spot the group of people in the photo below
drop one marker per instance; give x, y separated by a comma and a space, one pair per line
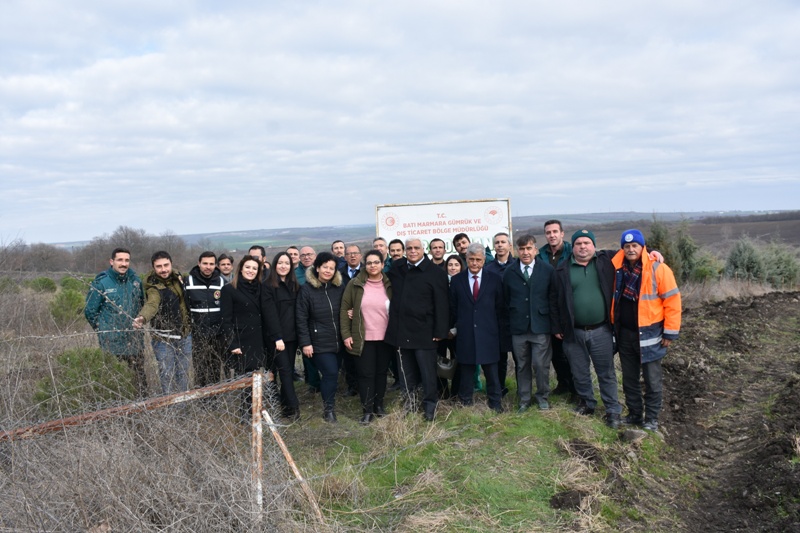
399, 308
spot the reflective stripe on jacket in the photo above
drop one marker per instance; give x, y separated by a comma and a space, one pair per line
659, 307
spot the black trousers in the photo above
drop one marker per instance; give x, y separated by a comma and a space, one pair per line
284, 368
372, 368
493, 392
561, 365
419, 367
208, 353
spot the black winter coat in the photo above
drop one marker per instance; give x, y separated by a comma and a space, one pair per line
243, 325
419, 309
279, 309
318, 313
562, 311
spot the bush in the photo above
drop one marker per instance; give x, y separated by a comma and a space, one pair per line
8, 285
67, 307
745, 262
75, 284
781, 265
706, 268
84, 378
43, 284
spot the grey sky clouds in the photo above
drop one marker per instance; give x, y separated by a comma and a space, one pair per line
200, 116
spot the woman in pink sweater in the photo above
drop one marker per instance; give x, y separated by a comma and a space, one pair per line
364, 316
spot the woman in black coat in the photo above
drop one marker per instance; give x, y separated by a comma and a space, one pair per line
280, 298
243, 322
318, 331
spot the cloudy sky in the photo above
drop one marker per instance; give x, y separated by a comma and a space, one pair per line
212, 116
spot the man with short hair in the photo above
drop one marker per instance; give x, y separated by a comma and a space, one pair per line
646, 312
352, 264
437, 250
555, 252
312, 376
294, 255
165, 308
502, 259
203, 288
527, 284
460, 243
260, 253
379, 243
477, 312
114, 300
418, 319
225, 265
581, 307
396, 249
307, 256
350, 270
337, 249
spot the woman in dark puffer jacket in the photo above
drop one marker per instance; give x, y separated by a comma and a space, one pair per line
318, 330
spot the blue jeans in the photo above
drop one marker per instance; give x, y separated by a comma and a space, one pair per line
595, 347
328, 366
174, 357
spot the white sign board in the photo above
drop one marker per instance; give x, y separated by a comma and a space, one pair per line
479, 219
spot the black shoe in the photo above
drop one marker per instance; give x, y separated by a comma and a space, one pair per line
379, 411
561, 389
291, 414
504, 391
366, 419
329, 416
497, 409
430, 415
523, 407
632, 420
584, 409
612, 420
296, 376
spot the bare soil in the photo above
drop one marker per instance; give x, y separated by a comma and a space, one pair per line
732, 417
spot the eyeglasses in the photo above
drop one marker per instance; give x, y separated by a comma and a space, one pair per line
373, 263
306, 255
353, 254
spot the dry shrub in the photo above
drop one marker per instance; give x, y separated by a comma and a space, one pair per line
158, 471
697, 294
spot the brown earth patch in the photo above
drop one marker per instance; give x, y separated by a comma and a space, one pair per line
732, 415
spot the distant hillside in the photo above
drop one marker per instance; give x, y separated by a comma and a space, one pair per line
707, 228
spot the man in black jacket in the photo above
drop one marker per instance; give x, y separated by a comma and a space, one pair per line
418, 319
581, 309
203, 288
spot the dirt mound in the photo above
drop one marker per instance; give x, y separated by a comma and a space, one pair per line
732, 414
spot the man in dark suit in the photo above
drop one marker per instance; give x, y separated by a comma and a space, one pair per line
477, 311
352, 264
418, 319
526, 285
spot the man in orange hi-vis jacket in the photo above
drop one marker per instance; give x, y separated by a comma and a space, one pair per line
646, 312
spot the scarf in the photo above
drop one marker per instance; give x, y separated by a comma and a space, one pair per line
631, 279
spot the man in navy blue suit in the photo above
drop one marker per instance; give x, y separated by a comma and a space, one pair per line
477, 311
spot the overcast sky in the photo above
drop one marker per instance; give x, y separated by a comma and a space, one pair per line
212, 116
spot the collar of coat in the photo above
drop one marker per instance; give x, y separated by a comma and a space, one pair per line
313, 280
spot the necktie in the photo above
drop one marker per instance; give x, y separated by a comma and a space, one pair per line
353, 272
527, 274
475, 287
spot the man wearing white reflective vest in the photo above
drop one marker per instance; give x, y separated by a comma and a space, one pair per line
203, 287
646, 312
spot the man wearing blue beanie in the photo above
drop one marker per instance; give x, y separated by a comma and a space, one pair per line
646, 312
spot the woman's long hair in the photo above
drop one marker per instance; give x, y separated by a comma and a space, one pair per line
238, 274
273, 279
